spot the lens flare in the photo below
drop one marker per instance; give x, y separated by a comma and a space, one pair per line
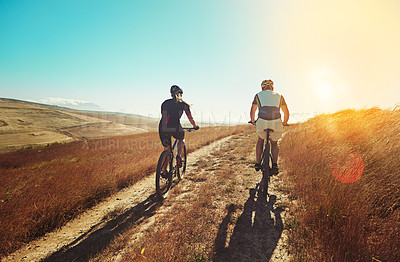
347, 167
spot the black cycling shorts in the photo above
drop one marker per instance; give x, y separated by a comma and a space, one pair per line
165, 134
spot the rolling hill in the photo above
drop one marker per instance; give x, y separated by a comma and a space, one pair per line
25, 124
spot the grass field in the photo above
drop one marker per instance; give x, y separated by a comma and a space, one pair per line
341, 170
43, 188
338, 221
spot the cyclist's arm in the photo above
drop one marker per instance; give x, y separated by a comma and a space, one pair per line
164, 113
191, 120
285, 110
253, 112
189, 115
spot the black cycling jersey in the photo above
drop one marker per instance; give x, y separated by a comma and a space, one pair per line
172, 112
170, 121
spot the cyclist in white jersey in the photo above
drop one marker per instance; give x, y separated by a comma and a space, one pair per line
269, 105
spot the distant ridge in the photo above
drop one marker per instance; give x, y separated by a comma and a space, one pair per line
70, 103
123, 114
26, 124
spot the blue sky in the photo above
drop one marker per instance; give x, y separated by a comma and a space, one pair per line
124, 55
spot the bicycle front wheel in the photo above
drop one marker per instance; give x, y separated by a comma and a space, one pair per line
181, 171
164, 175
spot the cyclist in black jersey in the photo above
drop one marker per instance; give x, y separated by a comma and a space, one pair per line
170, 125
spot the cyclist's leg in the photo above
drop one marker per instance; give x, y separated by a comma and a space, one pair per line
180, 135
274, 151
259, 149
260, 127
181, 144
166, 142
165, 138
277, 126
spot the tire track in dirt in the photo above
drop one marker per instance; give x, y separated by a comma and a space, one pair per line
103, 222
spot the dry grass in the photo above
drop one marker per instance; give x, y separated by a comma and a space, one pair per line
42, 189
337, 221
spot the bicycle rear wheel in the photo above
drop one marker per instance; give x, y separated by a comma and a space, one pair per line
265, 181
181, 171
163, 175
266, 169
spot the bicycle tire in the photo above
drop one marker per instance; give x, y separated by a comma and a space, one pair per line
163, 180
266, 172
265, 183
181, 171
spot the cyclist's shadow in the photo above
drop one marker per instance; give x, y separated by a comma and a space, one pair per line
256, 233
98, 238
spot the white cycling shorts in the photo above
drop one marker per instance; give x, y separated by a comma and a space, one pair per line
275, 125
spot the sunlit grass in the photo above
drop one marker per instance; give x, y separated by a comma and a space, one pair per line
338, 221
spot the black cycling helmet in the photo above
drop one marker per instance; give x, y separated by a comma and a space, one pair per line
176, 89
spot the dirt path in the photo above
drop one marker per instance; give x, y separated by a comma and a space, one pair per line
259, 229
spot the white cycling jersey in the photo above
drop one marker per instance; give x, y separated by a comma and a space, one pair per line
269, 104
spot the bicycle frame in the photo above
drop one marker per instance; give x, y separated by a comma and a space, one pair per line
189, 129
172, 166
173, 147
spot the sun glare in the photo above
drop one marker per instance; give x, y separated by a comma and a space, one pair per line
325, 91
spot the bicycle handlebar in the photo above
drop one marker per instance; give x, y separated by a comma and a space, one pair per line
254, 123
190, 129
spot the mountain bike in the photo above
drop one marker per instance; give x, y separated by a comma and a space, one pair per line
266, 165
167, 168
